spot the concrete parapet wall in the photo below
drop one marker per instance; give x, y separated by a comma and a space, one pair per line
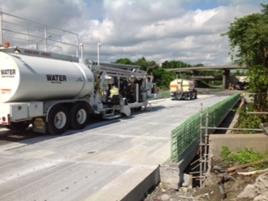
236, 142
139, 192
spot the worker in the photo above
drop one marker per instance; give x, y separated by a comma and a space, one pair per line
149, 87
114, 91
114, 95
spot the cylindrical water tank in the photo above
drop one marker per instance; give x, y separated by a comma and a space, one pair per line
30, 78
181, 85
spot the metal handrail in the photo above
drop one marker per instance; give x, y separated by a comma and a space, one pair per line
39, 37
6, 18
25, 19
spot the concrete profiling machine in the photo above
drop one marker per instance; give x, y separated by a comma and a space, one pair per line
55, 92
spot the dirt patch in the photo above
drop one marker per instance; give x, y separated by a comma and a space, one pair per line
163, 193
211, 191
252, 187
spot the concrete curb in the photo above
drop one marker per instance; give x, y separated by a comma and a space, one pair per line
146, 185
129, 188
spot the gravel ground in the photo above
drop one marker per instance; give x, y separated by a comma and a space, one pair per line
243, 188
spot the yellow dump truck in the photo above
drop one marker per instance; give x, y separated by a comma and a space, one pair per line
182, 89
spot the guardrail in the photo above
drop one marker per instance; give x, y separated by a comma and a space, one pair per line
188, 132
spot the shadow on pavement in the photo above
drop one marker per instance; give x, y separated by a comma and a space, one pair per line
29, 137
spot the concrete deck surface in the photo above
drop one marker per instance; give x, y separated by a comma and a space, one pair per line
103, 162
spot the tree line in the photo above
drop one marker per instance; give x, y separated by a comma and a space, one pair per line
161, 77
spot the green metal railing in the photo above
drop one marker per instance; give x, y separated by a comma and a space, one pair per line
188, 132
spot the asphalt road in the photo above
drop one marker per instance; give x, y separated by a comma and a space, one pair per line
102, 162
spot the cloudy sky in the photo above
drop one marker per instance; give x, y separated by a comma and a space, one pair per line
187, 30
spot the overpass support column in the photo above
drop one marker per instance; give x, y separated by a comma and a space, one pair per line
226, 78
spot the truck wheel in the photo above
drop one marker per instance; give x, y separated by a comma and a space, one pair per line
178, 96
79, 116
18, 126
58, 120
195, 95
190, 96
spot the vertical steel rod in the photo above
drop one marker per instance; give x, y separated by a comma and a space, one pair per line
206, 145
200, 146
81, 52
78, 44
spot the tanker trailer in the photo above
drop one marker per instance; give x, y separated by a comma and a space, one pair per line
51, 93
182, 89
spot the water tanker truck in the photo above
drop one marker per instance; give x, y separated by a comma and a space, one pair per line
54, 93
182, 89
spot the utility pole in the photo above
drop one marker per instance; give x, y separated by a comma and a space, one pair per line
81, 52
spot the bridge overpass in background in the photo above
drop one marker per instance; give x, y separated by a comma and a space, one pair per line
225, 68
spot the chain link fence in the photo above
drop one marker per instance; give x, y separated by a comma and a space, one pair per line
188, 132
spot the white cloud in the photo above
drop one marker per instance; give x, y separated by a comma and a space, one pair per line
156, 29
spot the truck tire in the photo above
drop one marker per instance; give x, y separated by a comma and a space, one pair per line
79, 116
178, 96
18, 126
195, 95
185, 96
58, 120
190, 96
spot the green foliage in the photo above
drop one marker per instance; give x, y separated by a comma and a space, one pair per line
225, 153
143, 63
162, 77
258, 83
249, 120
175, 64
124, 61
264, 8
248, 37
216, 74
258, 77
240, 73
241, 157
